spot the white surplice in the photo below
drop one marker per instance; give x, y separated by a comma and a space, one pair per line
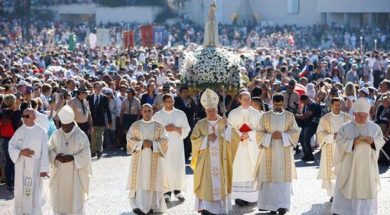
174, 161
146, 177
276, 167
69, 182
329, 125
28, 183
42, 120
247, 154
357, 170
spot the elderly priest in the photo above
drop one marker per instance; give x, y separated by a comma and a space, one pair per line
357, 148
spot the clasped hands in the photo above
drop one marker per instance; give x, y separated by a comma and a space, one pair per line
147, 143
171, 128
277, 135
64, 158
363, 139
211, 137
26, 152
244, 136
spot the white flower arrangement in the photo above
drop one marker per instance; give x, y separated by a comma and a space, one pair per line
213, 68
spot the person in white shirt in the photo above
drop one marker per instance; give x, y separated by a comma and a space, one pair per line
177, 127
244, 164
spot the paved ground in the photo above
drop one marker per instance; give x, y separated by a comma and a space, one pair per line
108, 195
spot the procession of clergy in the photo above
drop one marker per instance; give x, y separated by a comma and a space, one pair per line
247, 157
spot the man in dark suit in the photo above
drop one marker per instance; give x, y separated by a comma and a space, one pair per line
186, 104
99, 106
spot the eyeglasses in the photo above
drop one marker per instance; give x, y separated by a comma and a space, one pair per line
147, 111
26, 116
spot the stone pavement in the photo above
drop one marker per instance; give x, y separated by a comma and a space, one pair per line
108, 195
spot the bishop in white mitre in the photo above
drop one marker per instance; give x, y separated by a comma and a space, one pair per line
278, 134
70, 159
358, 143
245, 119
147, 142
28, 150
176, 124
327, 130
213, 152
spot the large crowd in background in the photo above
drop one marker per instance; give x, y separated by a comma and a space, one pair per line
246, 35
320, 63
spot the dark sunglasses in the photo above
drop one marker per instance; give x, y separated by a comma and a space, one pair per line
26, 116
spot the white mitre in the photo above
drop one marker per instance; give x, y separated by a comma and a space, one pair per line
209, 99
66, 115
361, 106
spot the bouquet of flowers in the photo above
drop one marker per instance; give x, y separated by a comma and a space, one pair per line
213, 68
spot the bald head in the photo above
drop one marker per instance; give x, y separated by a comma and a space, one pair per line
28, 117
147, 112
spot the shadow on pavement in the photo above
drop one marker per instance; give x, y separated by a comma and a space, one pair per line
244, 210
172, 204
318, 209
114, 153
301, 163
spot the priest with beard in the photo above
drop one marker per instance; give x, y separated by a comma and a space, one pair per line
278, 134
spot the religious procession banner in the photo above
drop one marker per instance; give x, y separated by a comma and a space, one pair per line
147, 34
92, 40
128, 39
160, 36
103, 37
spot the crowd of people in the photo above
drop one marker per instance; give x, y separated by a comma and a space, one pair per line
185, 32
134, 100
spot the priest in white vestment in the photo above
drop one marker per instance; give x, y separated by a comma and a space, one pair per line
70, 158
213, 151
177, 127
356, 160
278, 134
28, 150
147, 142
327, 130
245, 119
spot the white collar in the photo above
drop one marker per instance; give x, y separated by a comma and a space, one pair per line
213, 122
359, 125
245, 109
29, 127
277, 113
166, 111
333, 114
147, 122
